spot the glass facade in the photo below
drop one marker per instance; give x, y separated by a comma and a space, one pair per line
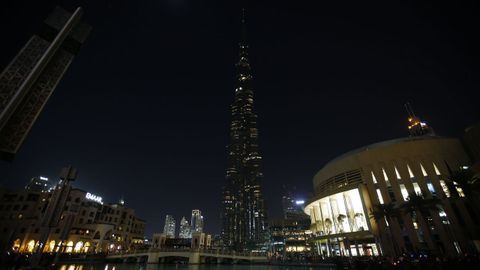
338, 213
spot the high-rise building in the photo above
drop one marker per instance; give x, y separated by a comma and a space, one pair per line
292, 206
29, 80
415, 126
243, 209
185, 229
38, 184
169, 228
197, 221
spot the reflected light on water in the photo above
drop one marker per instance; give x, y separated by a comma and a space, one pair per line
138, 266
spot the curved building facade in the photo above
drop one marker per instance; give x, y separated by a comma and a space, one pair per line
352, 189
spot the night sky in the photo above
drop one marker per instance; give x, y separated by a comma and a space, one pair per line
143, 112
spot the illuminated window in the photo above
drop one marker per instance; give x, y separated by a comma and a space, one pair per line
51, 246
385, 177
404, 191
31, 246
445, 188
417, 189
374, 179
78, 247
443, 217
431, 188
423, 170
16, 245
459, 190
410, 173
397, 173
436, 169
379, 195
69, 248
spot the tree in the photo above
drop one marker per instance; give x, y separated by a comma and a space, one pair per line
386, 212
417, 204
466, 180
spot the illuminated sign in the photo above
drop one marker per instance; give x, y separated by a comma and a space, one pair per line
92, 197
43, 178
300, 202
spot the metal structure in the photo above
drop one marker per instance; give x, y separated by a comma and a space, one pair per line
28, 81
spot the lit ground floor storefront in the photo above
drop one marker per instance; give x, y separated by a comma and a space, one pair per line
352, 244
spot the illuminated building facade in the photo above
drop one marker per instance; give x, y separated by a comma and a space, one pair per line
28, 81
363, 200
197, 221
292, 206
185, 229
38, 184
243, 209
169, 227
290, 239
86, 223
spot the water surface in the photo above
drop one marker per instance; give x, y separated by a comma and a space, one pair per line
134, 266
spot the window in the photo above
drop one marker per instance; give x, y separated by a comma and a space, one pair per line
374, 179
443, 217
404, 191
423, 170
445, 188
379, 195
397, 173
431, 188
410, 173
436, 169
417, 189
459, 190
385, 177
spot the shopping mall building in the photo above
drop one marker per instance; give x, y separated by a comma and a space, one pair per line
349, 189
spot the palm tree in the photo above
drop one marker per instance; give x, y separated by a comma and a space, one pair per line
467, 181
386, 212
418, 204
328, 225
340, 219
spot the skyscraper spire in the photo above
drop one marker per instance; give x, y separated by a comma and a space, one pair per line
243, 39
243, 214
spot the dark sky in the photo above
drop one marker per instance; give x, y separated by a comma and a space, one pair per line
143, 112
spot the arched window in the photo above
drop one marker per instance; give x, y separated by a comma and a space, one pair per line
31, 246
78, 247
69, 248
86, 247
51, 246
16, 245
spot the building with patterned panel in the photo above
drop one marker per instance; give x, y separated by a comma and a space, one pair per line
29, 80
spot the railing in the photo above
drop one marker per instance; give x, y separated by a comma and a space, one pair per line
208, 251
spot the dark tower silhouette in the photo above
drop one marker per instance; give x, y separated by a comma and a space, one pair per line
243, 207
415, 126
28, 81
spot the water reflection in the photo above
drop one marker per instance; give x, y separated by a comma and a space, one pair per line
132, 266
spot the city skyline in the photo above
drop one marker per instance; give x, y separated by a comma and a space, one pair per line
329, 80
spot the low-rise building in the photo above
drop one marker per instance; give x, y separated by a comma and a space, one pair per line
86, 224
290, 239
